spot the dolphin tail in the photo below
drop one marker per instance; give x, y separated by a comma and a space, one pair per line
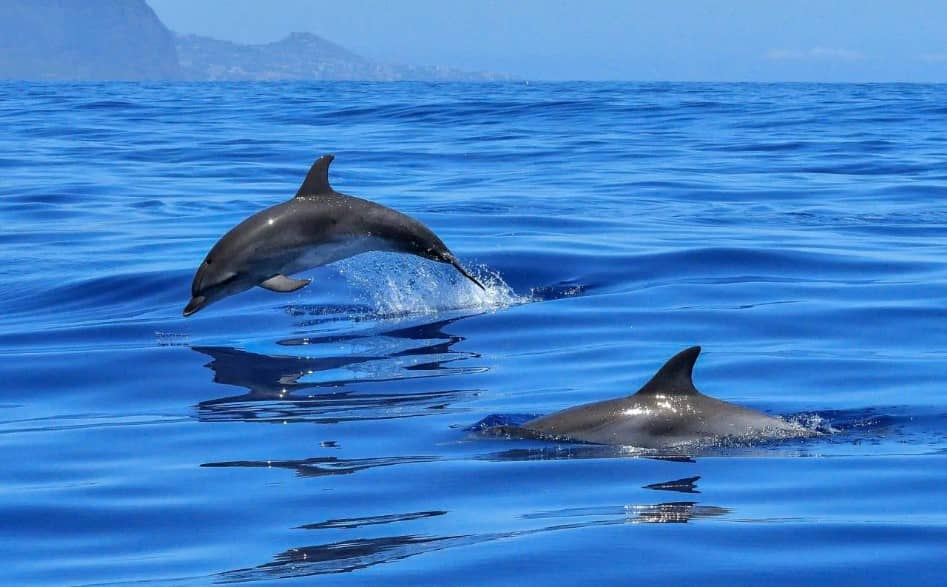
453, 261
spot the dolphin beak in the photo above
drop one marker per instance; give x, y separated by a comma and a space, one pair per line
196, 303
465, 273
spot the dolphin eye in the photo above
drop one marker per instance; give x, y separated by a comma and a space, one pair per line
207, 262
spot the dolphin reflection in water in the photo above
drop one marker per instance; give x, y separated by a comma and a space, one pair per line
368, 549
310, 380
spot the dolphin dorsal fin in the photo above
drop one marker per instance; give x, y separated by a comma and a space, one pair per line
317, 180
676, 376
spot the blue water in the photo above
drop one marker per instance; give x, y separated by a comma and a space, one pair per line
797, 232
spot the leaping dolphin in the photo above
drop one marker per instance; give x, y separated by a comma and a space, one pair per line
667, 412
316, 227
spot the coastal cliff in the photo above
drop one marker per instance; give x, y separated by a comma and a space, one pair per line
84, 40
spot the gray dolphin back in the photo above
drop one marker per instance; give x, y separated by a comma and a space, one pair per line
668, 411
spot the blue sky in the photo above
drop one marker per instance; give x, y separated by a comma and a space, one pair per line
736, 40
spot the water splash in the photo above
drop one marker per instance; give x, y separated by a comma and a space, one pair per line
814, 421
399, 285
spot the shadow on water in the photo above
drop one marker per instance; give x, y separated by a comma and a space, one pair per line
342, 557
564, 452
313, 381
321, 466
353, 554
685, 485
351, 523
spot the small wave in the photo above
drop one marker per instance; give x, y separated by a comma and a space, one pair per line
557, 291
111, 105
331, 407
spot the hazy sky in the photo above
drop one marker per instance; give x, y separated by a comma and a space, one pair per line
725, 40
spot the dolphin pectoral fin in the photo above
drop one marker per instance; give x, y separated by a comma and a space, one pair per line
282, 284
317, 180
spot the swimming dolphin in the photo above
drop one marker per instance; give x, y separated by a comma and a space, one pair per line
316, 227
667, 412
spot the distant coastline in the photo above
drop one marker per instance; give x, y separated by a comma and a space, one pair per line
124, 40
300, 56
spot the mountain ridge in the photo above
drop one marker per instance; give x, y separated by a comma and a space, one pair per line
103, 40
301, 56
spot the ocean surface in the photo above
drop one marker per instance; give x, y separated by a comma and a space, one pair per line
798, 233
